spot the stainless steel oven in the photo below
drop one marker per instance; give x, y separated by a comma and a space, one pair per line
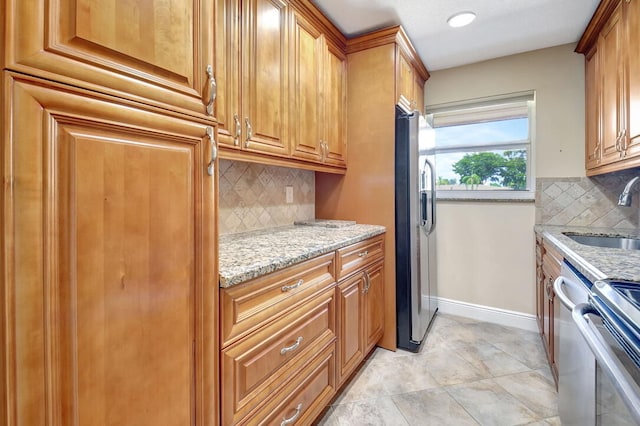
599, 372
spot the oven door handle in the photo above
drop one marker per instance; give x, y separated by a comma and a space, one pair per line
608, 361
564, 298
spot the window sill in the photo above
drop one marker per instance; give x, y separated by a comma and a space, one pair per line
487, 196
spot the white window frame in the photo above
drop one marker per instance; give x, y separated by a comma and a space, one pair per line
505, 106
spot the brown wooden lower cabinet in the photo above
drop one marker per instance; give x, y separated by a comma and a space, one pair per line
548, 264
350, 325
305, 397
360, 317
374, 305
292, 337
256, 368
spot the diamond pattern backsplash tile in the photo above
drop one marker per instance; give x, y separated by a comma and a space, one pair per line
587, 201
252, 196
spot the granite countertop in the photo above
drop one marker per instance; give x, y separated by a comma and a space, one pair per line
595, 263
252, 254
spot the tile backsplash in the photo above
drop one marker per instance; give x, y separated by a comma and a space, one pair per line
252, 196
587, 201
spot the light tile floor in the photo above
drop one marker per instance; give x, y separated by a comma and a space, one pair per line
468, 373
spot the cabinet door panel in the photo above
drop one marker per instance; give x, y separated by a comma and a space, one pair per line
405, 81
228, 73
335, 87
374, 308
118, 334
609, 51
350, 326
592, 110
418, 94
540, 286
264, 72
123, 227
153, 51
306, 90
632, 20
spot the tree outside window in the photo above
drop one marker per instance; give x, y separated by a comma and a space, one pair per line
484, 144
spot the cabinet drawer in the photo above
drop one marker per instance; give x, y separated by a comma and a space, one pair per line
264, 360
551, 261
245, 307
357, 256
305, 397
550, 254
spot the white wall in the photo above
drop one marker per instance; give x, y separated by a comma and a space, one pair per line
486, 250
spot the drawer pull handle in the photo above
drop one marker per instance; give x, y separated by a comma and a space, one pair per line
236, 138
214, 151
363, 254
249, 132
292, 347
293, 418
292, 286
210, 91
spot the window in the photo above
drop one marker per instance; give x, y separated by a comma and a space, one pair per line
483, 147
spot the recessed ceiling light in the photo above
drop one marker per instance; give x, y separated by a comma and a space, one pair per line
461, 19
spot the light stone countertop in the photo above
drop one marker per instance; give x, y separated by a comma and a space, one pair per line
595, 263
252, 254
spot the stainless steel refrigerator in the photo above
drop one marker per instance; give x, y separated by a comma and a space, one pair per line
415, 207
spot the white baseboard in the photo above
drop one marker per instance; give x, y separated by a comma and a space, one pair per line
488, 314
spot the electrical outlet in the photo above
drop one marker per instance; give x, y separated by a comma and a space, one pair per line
288, 192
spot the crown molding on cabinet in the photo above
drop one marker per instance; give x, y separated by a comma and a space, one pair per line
599, 18
387, 36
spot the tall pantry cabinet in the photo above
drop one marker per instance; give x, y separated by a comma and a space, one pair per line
109, 293
377, 80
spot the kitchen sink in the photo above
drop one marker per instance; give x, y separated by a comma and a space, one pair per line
609, 241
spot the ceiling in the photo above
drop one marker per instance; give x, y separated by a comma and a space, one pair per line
501, 28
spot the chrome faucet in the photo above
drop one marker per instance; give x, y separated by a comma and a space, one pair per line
625, 197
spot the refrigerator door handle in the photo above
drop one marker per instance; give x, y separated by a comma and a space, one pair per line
433, 196
422, 199
424, 202
423, 209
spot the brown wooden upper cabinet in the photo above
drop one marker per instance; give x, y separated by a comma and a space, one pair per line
281, 85
418, 93
307, 94
251, 59
318, 80
405, 81
158, 52
611, 45
410, 84
335, 104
